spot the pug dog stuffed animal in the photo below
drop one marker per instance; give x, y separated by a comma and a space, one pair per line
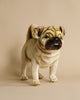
42, 49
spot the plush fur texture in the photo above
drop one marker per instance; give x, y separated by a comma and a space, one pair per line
42, 49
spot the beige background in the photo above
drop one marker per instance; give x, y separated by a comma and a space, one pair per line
15, 18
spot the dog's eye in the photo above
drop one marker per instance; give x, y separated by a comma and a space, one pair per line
60, 37
46, 36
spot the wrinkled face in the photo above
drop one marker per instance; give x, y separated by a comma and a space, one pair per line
52, 38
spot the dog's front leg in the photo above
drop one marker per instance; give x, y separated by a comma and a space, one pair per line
52, 72
35, 68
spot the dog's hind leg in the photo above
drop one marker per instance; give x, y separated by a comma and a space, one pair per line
23, 71
24, 62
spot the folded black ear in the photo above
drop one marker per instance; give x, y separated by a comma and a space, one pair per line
36, 31
62, 30
40, 30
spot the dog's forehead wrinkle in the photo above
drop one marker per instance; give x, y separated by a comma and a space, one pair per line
49, 31
51, 28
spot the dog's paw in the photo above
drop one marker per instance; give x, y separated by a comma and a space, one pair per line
41, 76
53, 79
36, 82
23, 77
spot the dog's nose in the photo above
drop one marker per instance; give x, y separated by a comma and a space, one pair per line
56, 38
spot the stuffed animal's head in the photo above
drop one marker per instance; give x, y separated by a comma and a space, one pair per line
50, 37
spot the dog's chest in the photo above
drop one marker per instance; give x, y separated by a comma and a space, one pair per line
45, 60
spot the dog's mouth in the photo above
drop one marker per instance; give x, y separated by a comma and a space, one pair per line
53, 44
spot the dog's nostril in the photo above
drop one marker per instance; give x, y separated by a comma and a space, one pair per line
56, 38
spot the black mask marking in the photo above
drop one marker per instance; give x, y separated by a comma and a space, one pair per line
53, 44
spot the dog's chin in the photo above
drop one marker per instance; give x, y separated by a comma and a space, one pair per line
54, 46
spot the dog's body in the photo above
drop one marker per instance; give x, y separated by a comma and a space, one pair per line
41, 53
